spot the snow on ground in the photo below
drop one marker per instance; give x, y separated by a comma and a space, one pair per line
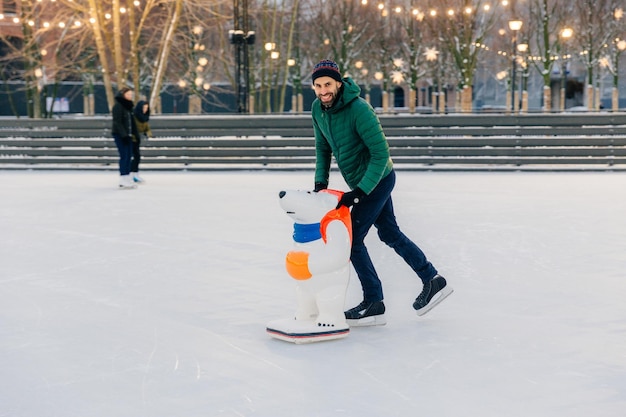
153, 302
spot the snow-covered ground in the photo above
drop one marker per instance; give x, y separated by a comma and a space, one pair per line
153, 302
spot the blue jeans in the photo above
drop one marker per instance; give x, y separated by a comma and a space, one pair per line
125, 149
377, 209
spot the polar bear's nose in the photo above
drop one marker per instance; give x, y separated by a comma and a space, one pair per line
281, 194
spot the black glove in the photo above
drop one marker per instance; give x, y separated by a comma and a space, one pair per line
351, 197
319, 186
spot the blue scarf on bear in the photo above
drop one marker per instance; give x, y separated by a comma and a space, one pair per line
304, 233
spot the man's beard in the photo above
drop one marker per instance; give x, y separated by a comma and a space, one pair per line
330, 103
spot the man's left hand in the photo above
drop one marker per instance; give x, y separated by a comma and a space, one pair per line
351, 198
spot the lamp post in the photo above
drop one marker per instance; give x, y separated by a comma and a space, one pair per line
378, 76
515, 26
566, 34
294, 100
242, 38
268, 79
523, 87
363, 76
432, 55
502, 77
620, 46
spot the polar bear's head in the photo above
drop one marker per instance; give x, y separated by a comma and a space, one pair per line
308, 207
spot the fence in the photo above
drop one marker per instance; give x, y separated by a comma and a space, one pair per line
577, 141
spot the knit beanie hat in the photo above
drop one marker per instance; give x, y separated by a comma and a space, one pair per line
326, 68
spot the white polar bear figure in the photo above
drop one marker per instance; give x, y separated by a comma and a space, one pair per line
320, 264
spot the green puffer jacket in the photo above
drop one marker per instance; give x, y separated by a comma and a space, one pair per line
351, 131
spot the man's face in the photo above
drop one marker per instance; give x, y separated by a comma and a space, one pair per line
326, 89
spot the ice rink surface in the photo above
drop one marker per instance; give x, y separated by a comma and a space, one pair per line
153, 302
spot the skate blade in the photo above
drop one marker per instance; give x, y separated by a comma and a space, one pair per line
379, 320
439, 297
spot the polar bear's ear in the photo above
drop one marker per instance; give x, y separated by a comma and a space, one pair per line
336, 193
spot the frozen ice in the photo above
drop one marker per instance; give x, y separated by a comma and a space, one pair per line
153, 302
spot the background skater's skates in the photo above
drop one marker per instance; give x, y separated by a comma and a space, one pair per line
126, 183
434, 292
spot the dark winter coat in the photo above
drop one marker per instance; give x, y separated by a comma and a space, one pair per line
142, 119
123, 119
351, 131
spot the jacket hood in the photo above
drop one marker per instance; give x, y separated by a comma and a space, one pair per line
351, 90
127, 104
139, 114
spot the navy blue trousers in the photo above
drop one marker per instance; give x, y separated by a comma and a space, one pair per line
125, 150
377, 209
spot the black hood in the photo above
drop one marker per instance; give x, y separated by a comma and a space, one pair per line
127, 104
139, 114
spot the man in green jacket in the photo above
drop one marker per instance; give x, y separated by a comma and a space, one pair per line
347, 127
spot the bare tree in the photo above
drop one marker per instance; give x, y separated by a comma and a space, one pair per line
545, 19
28, 51
463, 26
596, 29
199, 53
611, 59
51, 41
411, 51
155, 45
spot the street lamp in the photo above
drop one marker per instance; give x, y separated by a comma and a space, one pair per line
291, 63
432, 55
363, 77
269, 77
566, 35
620, 46
523, 87
501, 76
515, 26
242, 39
379, 76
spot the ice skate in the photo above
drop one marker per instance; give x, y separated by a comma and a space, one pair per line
367, 314
126, 183
434, 292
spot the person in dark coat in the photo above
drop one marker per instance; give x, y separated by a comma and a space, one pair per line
124, 130
347, 127
142, 118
